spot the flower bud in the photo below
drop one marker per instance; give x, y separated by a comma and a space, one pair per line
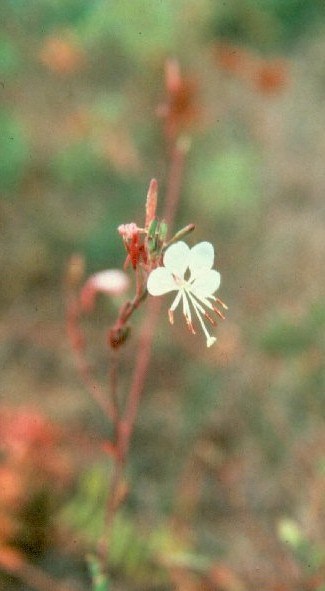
117, 336
110, 282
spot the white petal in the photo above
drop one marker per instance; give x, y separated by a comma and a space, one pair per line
201, 258
160, 281
176, 258
206, 284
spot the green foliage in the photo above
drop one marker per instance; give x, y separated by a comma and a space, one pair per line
269, 24
287, 337
78, 166
10, 59
41, 16
142, 31
284, 337
14, 151
141, 26
311, 555
130, 551
226, 181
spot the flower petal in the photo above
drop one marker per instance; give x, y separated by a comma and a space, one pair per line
201, 258
206, 284
161, 281
176, 258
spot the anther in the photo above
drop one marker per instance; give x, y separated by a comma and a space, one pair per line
220, 314
222, 304
211, 320
190, 325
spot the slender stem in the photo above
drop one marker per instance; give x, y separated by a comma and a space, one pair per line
125, 425
114, 500
77, 340
178, 157
113, 380
128, 308
148, 330
172, 198
140, 370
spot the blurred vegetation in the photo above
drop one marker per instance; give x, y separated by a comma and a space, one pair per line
227, 465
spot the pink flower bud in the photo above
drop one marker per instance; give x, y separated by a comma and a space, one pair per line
151, 204
128, 231
111, 282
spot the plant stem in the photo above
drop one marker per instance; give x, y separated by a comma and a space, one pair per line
125, 424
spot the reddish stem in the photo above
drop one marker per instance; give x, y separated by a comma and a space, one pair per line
140, 371
77, 340
126, 424
178, 156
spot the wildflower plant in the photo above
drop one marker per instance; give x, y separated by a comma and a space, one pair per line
161, 263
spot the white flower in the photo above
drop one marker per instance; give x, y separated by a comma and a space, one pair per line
195, 287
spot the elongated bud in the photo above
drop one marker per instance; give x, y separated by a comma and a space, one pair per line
151, 204
172, 75
180, 234
112, 282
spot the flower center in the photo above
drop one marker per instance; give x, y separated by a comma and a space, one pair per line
180, 281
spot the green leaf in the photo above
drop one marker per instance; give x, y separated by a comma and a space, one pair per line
226, 182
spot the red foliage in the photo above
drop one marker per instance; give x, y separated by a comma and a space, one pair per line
268, 76
180, 110
34, 474
60, 55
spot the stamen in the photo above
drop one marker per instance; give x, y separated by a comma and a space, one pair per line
196, 306
187, 313
193, 299
171, 316
190, 325
219, 313
211, 320
204, 301
222, 304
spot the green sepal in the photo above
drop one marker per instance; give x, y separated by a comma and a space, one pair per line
163, 230
152, 229
152, 236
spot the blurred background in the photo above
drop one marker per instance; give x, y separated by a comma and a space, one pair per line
227, 467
